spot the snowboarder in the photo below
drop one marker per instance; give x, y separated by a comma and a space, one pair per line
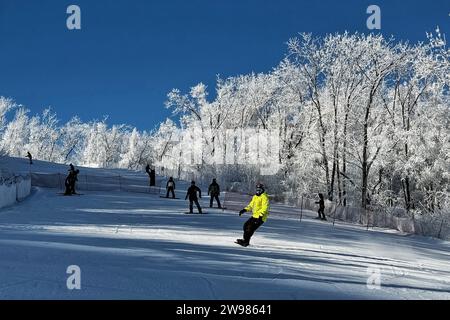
74, 180
152, 174
192, 194
68, 183
71, 180
170, 187
29, 156
260, 211
214, 192
321, 204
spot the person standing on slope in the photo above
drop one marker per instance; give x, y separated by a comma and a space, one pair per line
68, 184
170, 186
74, 181
29, 156
321, 204
259, 206
71, 180
214, 192
152, 175
192, 194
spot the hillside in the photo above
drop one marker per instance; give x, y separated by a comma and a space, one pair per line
140, 246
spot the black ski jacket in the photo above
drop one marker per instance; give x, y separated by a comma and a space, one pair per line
173, 184
192, 193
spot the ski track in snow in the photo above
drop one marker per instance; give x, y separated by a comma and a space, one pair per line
141, 246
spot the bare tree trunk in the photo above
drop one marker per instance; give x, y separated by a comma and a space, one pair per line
335, 152
344, 159
407, 195
407, 188
364, 165
324, 154
339, 180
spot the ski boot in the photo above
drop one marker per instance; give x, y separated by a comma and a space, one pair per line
242, 242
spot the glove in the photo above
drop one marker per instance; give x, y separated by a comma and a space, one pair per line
242, 212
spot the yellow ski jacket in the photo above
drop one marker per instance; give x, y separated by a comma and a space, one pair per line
259, 206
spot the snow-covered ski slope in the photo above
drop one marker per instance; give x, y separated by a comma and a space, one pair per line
140, 246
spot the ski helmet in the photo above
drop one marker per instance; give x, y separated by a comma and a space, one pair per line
259, 188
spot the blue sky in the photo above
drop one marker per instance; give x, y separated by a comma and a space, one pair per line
129, 54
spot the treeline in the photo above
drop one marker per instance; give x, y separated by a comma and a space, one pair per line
359, 118
362, 119
93, 144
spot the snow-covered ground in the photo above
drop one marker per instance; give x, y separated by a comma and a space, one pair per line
140, 246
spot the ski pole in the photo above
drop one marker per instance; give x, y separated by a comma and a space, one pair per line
334, 216
301, 210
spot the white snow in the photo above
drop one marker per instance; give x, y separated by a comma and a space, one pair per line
140, 246
13, 188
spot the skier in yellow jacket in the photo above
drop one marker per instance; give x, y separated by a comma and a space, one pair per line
259, 206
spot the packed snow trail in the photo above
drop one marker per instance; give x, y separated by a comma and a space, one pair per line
139, 246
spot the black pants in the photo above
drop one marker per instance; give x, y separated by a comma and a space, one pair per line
216, 196
68, 191
321, 213
191, 205
172, 190
250, 227
152, 178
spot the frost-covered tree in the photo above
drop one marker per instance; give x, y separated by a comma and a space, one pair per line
138, 150
356, 116
73, 135
6, 105
16, 134
44, 136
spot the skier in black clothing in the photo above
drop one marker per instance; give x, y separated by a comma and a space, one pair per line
321, 204
151, 173
170, 186
192, 194
214, 192
29, 156
71, 180
74, 180
68, 183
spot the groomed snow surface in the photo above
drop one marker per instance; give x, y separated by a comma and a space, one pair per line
141, 246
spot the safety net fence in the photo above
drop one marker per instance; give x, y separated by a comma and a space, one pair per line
391, 218
88, 182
